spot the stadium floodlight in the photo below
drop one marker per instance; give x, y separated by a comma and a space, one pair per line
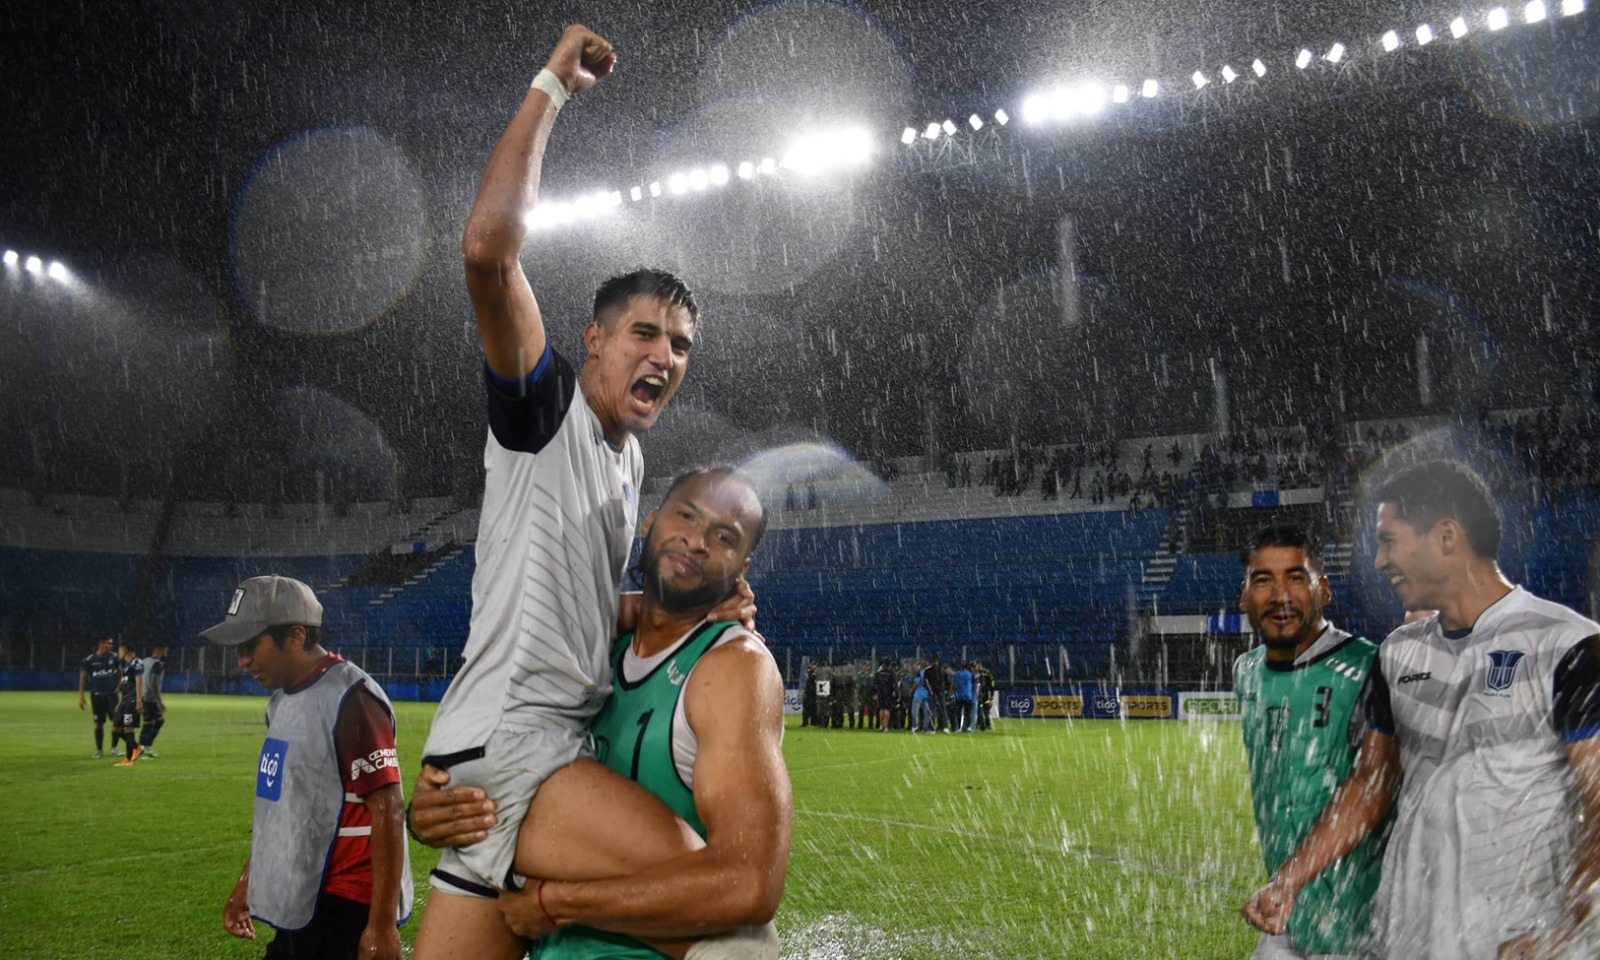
57, 271
698, 178
1534, 12
949, 128
1089, 99
678, 184
1259, 68
1150, 89
1424, 35
34, 265
1391, 41
1498, 18
975, 122
655, 188
1303, 58
718, 174
1119, 93
908, 136
1199, 80
1458, 27
932, 131
1335, 53
1001, 117
614, 198
1571, 8
11, 258
746, 170
767, 166
636, 194
829, 150
1229, 74
1034, 109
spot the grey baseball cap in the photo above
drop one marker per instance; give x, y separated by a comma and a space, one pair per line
262, 602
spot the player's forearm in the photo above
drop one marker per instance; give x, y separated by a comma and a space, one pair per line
509, 187
1354, 811
694, 895
387, 807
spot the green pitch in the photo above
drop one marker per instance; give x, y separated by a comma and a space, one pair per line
1091, 839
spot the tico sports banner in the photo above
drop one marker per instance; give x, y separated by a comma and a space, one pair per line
1089, 703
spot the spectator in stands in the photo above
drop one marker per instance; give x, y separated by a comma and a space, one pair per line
1299, 695
97, 679
1490, 710
962, 695
884, 686
328, 865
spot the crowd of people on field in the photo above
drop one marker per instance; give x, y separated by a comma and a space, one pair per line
919, 695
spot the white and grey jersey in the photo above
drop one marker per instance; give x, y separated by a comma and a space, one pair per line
1483, 838
559, 510
154, 670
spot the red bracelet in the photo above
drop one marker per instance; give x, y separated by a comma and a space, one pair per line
538, 894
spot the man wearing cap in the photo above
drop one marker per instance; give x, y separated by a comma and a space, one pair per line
328, 865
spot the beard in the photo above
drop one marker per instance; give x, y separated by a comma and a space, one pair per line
680, 601
1288, 641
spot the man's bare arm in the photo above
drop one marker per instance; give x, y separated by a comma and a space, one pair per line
509, 324
1354, 810
381, 939
734, 703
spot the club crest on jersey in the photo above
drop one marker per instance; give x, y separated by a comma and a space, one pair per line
1502, 671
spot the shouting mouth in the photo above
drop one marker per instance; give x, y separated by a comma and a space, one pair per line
646, 393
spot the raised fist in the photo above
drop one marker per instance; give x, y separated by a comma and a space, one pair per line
581, 58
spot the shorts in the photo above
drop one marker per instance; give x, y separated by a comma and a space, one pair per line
1283, 948
153, 711
509, 769
103, 705
127, 715
334, 932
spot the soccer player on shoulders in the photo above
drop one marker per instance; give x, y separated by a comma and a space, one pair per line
1299, 699
97, 679
328, 867
1491, 709
130, 702
696, 718
560, 503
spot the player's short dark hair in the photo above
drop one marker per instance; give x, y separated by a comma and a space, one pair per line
1445, 489
726, 470
281, 634
653, 283
1290, 535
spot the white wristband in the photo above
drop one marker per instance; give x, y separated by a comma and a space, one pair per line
551, 86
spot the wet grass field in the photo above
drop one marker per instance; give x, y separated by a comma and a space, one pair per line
1084, 839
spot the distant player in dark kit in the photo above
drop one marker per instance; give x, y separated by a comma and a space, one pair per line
885, 683
130, 702
329, 867
97, 679
155, 709
985, 678
1300, 693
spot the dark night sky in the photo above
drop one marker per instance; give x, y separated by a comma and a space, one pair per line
261, 204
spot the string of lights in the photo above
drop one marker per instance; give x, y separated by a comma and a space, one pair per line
851, 147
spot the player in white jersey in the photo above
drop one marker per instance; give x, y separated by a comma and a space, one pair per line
560, 504
1491, 709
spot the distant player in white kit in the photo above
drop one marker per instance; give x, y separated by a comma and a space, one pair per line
560, 504
1491, 709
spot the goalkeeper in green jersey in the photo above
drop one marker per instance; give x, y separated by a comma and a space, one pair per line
1300, 694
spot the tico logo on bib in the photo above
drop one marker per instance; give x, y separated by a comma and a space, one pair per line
269, 770
1502, 671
